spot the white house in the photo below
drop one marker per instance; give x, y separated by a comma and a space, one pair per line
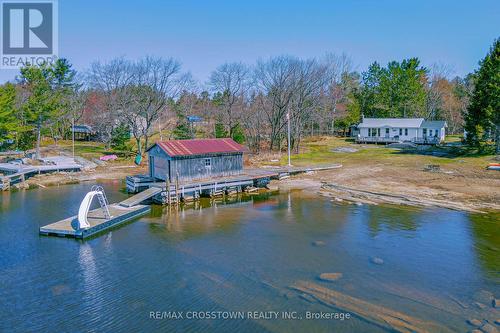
387, 130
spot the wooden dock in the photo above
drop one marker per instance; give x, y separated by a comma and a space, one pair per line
18, 173
140, 197
171, 193
98, 223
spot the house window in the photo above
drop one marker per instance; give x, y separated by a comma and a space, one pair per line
406, 131
208, 162
430, 132
400, 131
424, 132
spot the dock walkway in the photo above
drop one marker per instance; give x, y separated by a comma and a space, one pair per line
140, 197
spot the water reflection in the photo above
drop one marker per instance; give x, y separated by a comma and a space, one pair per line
386, 218
486, 233
240, 254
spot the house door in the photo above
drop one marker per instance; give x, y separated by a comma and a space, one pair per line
387, 132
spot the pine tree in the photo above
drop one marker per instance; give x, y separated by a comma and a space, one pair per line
9, 123
482, 120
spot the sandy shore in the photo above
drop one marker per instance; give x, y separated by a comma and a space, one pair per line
454, 189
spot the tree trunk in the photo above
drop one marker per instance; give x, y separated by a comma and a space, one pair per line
497, 139
146, 142
38, 137
139, 147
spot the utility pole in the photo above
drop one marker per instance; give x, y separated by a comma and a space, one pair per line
288, 125
73, 135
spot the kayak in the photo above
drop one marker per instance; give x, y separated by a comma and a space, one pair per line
494, 167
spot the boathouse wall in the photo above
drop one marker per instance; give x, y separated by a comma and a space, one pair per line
186, 168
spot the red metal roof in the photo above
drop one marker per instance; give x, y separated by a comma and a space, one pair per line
200, 147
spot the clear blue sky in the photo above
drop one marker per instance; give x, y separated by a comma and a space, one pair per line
204, 34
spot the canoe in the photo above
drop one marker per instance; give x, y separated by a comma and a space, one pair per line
494, 167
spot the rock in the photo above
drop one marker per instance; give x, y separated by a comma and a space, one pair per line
339, 199
318, 243
330, 276
307, 298
377, 261
488, 328
497, 321
476, 331
475, 322
483, 296
344, 150
495, 303
358, 204
480, 305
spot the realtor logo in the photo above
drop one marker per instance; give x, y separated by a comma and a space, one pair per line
29, 32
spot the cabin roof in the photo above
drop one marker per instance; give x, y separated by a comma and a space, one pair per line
199, 147
392, 122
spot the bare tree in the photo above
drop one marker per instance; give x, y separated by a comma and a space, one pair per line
310, 78
107, 82
337, 86
231, 81
137, 92
276, 79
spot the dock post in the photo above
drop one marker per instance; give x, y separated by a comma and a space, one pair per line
167, 188
23, 181
177, 188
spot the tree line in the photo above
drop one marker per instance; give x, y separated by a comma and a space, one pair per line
252, 104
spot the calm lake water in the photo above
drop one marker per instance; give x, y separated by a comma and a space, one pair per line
240, 256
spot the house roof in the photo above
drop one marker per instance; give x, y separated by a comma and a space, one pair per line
434, 123
82, 129
199, 147
392, 122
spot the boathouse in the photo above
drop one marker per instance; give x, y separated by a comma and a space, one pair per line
186, 160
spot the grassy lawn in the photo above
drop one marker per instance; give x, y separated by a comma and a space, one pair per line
321, 151
89, 149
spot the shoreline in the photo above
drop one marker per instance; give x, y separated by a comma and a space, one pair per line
347, 184
336, 187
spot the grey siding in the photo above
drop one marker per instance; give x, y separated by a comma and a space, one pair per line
193, 167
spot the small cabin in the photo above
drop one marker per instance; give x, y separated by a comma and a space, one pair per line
391, 130
187, 160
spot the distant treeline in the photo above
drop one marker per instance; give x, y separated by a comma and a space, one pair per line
251, 104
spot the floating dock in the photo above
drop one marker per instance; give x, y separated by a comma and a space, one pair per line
97, 220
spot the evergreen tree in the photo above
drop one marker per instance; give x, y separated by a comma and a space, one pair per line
397, 90
47, 88
9, 123
120, 136
482, 120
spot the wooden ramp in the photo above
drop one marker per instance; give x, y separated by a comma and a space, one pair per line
140, 197
97, 220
